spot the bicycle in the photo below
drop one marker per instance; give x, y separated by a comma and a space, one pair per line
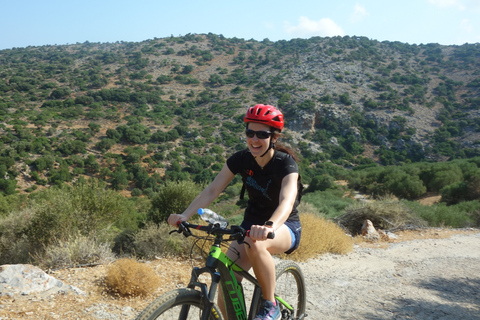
196, 301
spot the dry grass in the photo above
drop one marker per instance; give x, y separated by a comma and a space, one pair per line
155, 240
77, 250
320, 236
129, 278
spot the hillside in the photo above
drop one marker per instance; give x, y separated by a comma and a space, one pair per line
135, 114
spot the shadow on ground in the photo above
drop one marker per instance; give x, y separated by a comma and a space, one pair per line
456, 299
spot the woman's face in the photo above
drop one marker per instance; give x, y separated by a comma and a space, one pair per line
258, 146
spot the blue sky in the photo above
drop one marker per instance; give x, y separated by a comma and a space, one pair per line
49, 22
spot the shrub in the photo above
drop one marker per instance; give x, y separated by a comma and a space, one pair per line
320, 236
387, 213
124, 243
305, 207
76, 250
321, 183
10, 203
129, 278
87, 208
136, 192
440, 215
331, 202
14, 245
173, 198
154, 240
53, 216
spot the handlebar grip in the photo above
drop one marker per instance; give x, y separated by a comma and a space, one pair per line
270, 235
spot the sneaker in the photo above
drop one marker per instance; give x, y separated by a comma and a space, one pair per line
269, 311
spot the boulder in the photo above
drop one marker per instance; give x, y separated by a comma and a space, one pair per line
26, 279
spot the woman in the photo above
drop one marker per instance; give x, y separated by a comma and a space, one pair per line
273, 183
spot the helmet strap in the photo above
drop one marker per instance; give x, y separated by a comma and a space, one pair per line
271, 145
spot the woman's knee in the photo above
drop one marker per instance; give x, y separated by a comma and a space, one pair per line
281, 243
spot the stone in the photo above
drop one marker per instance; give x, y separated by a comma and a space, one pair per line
25, 279
369, 232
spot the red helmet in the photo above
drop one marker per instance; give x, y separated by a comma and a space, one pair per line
266, 114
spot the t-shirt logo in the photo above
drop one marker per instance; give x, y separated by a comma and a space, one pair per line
252, 183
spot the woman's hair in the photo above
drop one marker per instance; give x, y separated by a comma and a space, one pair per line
280, 147
283, 148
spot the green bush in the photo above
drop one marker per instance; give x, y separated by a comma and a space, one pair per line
173, 198
440, 215
87, 208
403, 185
331, 202
14, 244
321, 183
52, 216
10, 203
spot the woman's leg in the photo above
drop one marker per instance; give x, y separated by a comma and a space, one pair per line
260, 254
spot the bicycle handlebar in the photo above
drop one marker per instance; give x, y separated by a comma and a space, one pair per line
235, 232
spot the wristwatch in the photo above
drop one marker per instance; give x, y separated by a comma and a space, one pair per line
269, 223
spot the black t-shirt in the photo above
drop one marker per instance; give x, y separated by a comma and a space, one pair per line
264, 185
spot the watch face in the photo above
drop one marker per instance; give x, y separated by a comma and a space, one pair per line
269, 223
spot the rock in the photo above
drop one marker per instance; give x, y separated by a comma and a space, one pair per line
25, 279
369, 232
384, 236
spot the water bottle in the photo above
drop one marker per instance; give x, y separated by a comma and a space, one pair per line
212, 217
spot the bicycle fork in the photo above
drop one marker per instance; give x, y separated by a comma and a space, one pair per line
207, 295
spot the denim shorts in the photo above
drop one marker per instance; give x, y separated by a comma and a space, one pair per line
295, 231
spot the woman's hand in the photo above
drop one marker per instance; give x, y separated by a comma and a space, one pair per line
260, 233
176, 219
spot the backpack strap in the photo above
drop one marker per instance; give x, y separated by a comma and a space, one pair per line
242, 192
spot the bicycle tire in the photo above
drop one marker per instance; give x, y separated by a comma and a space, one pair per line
168, 306
289, 276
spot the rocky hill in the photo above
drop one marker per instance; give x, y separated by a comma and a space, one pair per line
172, 107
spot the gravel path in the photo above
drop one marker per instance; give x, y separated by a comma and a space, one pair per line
419, 279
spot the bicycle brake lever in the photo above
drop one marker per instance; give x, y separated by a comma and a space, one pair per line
182, 229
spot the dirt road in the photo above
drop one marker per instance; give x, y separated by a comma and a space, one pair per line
419, 279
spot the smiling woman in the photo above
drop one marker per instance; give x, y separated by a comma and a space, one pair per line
270, 176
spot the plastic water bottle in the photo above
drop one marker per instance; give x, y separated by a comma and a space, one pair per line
209, 216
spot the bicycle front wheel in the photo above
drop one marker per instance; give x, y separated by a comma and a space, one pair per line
169, 307
291, 289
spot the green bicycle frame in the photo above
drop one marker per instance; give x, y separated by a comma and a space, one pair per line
222, 270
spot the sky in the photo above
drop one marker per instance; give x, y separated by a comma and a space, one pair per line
57, 22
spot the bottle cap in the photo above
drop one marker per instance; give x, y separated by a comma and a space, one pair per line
200, 211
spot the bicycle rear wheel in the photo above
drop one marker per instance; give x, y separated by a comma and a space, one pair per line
169, 306
291, 289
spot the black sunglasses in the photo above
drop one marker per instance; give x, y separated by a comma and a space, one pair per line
260, 134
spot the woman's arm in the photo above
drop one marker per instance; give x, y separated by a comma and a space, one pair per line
288, 195
210, 193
